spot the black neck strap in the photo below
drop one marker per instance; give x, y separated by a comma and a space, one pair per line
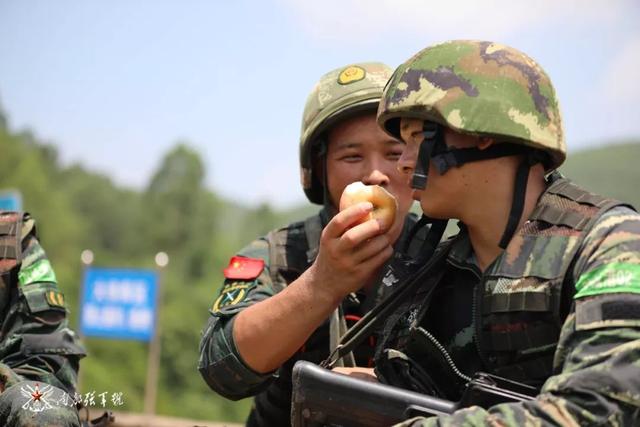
519, 193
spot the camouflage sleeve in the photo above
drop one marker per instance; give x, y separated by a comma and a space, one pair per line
598, 357
220, 363
37, 343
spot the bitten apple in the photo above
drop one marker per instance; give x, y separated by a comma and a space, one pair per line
384, 204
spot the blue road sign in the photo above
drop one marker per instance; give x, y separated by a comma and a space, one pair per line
118, 303
10, 200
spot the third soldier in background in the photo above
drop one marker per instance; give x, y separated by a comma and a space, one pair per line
39, 354
289, 295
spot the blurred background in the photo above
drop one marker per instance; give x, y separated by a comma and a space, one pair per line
131, 128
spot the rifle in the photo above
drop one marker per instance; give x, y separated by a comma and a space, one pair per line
324, 398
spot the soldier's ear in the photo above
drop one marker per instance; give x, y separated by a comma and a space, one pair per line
485, 142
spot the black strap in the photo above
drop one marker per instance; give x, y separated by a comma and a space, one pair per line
517, 205
433, 136
434, 236
326, 197
413, 231
364, 327
454, 157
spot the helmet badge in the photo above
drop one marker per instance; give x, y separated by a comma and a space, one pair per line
351, 74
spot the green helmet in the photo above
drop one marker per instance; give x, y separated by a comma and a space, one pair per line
478, 88
337, 95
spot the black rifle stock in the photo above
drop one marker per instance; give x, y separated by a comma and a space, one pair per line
324, 398
321, 397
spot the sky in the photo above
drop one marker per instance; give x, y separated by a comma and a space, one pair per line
115, 84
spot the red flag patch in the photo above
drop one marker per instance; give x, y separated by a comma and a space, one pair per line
243, 268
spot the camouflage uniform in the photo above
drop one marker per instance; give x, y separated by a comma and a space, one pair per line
39, 354
287, 253
559, 308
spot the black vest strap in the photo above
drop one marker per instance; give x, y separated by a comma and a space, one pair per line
556, 216
516, 301
568, 189
11, 236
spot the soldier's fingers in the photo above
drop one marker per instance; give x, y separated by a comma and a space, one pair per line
345, 219
370, 247
375, 261
358, 234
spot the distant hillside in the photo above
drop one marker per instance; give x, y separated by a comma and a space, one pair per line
610, 170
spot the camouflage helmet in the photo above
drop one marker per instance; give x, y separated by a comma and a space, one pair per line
338, 94
478, 88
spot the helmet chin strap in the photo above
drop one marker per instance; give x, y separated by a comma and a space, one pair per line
326, 197
433, 137
434, 149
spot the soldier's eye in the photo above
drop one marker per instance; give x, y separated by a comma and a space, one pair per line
352, 158
394, 155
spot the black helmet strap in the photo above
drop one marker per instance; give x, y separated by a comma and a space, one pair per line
454, 157
326, 197
433, 136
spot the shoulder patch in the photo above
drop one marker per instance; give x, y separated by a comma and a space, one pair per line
614, 277
55, 298
613, 310
243, 268
232, 293
43, 296
39, 271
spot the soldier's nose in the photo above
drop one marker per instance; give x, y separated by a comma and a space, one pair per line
376, 177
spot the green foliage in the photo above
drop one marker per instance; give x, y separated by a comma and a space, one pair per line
611, 170
77, 209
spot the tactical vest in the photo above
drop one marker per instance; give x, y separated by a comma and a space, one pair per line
522, 299
11, 234
525, 296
